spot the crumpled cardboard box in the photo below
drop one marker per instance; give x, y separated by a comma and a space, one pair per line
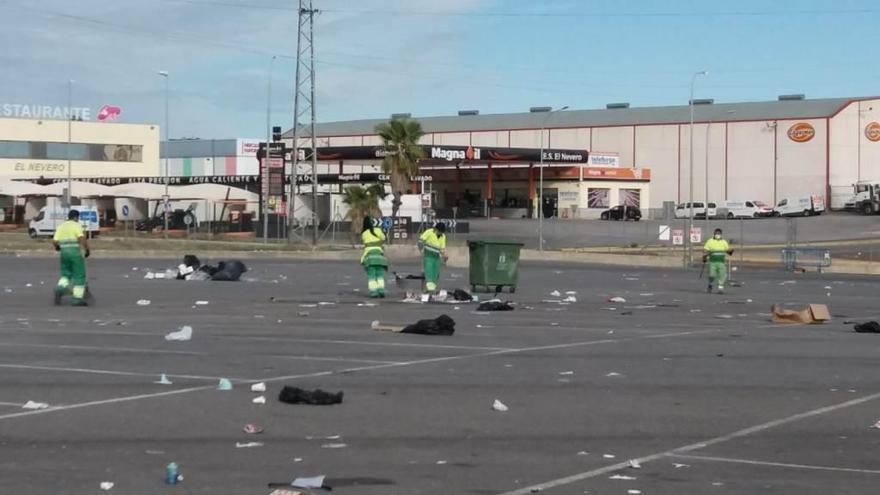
812, 314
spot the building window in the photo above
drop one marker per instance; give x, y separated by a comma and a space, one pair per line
14, 149
40, 150
597, 197
630, 197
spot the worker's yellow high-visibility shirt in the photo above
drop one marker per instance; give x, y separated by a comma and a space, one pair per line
68, 233
431, 242
716, 249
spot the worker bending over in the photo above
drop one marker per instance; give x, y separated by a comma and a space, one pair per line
70, 241
432, 244
715, 251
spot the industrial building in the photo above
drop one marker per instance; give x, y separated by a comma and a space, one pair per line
762, 151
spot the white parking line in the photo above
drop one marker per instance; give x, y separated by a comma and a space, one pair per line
16, 404
774, 464
111, 372
689, 448
348, 370
97, 348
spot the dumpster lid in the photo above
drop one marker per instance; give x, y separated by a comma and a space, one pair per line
495, 241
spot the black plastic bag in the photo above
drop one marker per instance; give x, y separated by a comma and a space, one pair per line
868, 327
317, 397
229, 271
442, 325
495, 306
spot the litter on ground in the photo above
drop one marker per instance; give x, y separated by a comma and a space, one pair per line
259, 400
224, 384
813, 313
248, 445
143, 302
185, 333
106, 485
318, 397
258, 387
35, 405
616, 299
499, 406
334, 446
622, 477
310, 482
163, 380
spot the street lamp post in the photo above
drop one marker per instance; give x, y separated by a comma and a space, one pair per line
541, 180
265, 176
69, 138
690, 258
165, 75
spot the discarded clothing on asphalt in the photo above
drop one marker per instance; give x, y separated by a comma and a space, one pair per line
225, 271
813, 313
317, 397
495, 305
867, 327
461, 296
442, 325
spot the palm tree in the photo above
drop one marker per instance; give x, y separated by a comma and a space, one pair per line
400, 139
362, 202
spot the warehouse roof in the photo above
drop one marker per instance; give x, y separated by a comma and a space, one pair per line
715, 112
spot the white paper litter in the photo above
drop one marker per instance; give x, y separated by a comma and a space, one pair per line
185, 333
311, 482
570, 299
150, 276
608, 456
616, 299
499, 406
555, 293
143, 302
633, 492
248, 445
876, 425
35, 405
334, 446
259, 400
566, 372
258, 387
613, 374
678, 466
634, 464
622, 477
202, 303
107, 485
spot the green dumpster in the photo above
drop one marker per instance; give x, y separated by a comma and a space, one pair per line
494, 265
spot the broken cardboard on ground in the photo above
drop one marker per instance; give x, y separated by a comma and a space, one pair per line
812, 314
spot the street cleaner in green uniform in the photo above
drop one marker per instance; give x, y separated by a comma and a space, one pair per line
70, 241
373, 259
432, 244
715, 251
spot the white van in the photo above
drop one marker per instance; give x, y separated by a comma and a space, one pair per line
747, 209
684, 210
49, 218
800, 206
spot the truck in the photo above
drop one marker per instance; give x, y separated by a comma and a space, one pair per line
865, 198
800, 206
49, 218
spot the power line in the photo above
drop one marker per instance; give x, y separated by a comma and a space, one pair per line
441, 13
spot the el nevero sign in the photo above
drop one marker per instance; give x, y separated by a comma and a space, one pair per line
872, 131
801, 132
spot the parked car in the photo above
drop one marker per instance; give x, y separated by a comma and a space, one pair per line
49, 218
684, 210
621, 212
747, 209
800, 206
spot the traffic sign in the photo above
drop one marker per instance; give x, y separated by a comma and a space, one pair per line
678, 237
125, 211
696, 235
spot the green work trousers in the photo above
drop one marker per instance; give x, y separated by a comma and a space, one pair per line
718, 273
376, 280
73, 272
431, 265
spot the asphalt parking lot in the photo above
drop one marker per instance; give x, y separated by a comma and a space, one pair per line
701, 390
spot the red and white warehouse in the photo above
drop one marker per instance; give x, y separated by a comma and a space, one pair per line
762, 151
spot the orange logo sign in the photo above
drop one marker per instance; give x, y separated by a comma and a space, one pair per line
872, 131
801, 132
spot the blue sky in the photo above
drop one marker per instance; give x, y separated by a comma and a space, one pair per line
428, 57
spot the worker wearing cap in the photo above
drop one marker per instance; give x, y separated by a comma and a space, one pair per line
373, 259
432, 244
715, 252
70, 241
